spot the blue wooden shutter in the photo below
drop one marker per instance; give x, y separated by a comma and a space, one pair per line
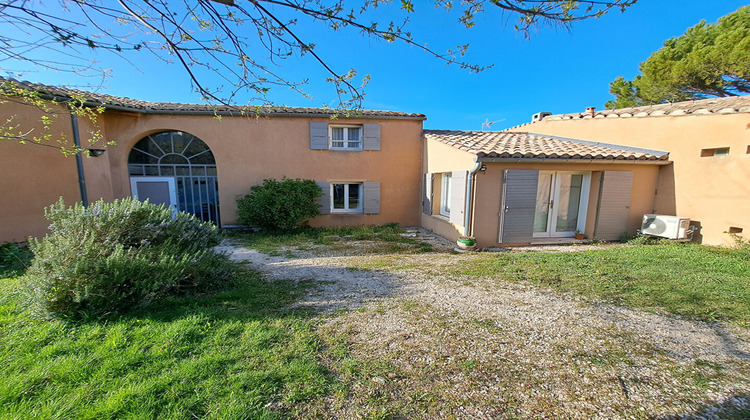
518, 206
371, 192
371, 136
325, 200
318, 135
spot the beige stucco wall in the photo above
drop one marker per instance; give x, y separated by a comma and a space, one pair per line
712, 190
34, 176
439, 158
249, 150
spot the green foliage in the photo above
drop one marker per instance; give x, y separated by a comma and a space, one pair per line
11, 130
685, 279
708, 60
390, 234
235, 354
111, 256
14, 259
279, 205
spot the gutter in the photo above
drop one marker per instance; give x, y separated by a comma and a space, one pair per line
585, 161
470, 197
79, 159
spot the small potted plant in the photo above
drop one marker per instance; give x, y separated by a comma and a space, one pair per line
466, 242
579, 235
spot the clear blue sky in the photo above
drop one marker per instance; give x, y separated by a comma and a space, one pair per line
555, 70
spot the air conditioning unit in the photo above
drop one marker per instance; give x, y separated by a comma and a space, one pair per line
670, 227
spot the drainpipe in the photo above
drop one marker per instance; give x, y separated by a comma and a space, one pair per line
469, 198
79, 158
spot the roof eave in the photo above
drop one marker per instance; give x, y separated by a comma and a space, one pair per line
576, 161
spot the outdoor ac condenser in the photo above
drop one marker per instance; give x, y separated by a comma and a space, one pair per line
670, 227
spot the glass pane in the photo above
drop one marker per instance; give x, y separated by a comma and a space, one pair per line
151, 170
541, 213
172, 159
138, 156
337, 134
570, 200
166, 170
198, 170
354, 196
183, 170
338, 196
445, 194
206, 158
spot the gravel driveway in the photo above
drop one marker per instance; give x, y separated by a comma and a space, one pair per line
426, 344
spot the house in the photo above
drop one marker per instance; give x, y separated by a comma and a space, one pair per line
513, 188
707, 178
595, 173
200, 158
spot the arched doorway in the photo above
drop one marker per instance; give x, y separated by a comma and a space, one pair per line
178, 170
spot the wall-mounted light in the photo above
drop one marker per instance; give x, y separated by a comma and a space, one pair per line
483, 167
96, 152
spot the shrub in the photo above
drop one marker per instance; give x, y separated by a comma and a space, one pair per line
279, 205
111, 256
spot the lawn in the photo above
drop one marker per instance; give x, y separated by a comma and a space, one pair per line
241, 353
232, 354
697, 281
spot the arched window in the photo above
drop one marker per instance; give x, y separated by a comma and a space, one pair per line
177, 169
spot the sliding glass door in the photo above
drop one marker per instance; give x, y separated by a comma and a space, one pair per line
561, 201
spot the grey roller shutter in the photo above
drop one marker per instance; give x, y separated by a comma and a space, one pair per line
371, 191
427, 199
371, 136
518, 205
458, 197
613, 208
325, 200
318, 135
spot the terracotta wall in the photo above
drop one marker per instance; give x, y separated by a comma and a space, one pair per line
711, 190
249, 150
35, 176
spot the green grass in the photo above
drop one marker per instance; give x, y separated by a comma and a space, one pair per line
232, 354
690, 280
389, 235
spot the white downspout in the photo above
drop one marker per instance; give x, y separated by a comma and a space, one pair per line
469, 183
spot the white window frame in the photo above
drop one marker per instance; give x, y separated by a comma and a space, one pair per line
346, 137
346, 208
445, 193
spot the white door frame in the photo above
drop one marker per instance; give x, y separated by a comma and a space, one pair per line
555, 198
134, 180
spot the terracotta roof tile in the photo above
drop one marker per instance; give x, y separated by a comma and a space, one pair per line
728, 105
523, 145
134, 105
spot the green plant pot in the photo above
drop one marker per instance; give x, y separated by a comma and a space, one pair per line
466, 243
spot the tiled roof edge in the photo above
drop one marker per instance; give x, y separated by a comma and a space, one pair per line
167, 108
660, 153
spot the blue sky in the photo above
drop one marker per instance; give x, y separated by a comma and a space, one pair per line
555, 70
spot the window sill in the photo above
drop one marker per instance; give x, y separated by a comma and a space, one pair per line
442, 218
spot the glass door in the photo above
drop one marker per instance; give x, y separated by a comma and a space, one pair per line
561, 200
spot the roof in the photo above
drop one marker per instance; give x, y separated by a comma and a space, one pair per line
727, 105
493, 145
117, 103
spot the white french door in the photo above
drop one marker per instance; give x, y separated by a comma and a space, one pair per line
561, 203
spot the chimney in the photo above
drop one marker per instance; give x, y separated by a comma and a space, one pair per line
590, 111
539, 116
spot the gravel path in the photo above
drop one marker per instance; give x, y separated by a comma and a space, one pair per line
510, 349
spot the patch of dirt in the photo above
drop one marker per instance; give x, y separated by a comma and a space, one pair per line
421, 343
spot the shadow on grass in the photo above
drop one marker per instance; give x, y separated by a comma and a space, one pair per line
734, 407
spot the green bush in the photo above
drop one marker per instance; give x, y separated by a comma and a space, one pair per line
111, 256
279, 205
